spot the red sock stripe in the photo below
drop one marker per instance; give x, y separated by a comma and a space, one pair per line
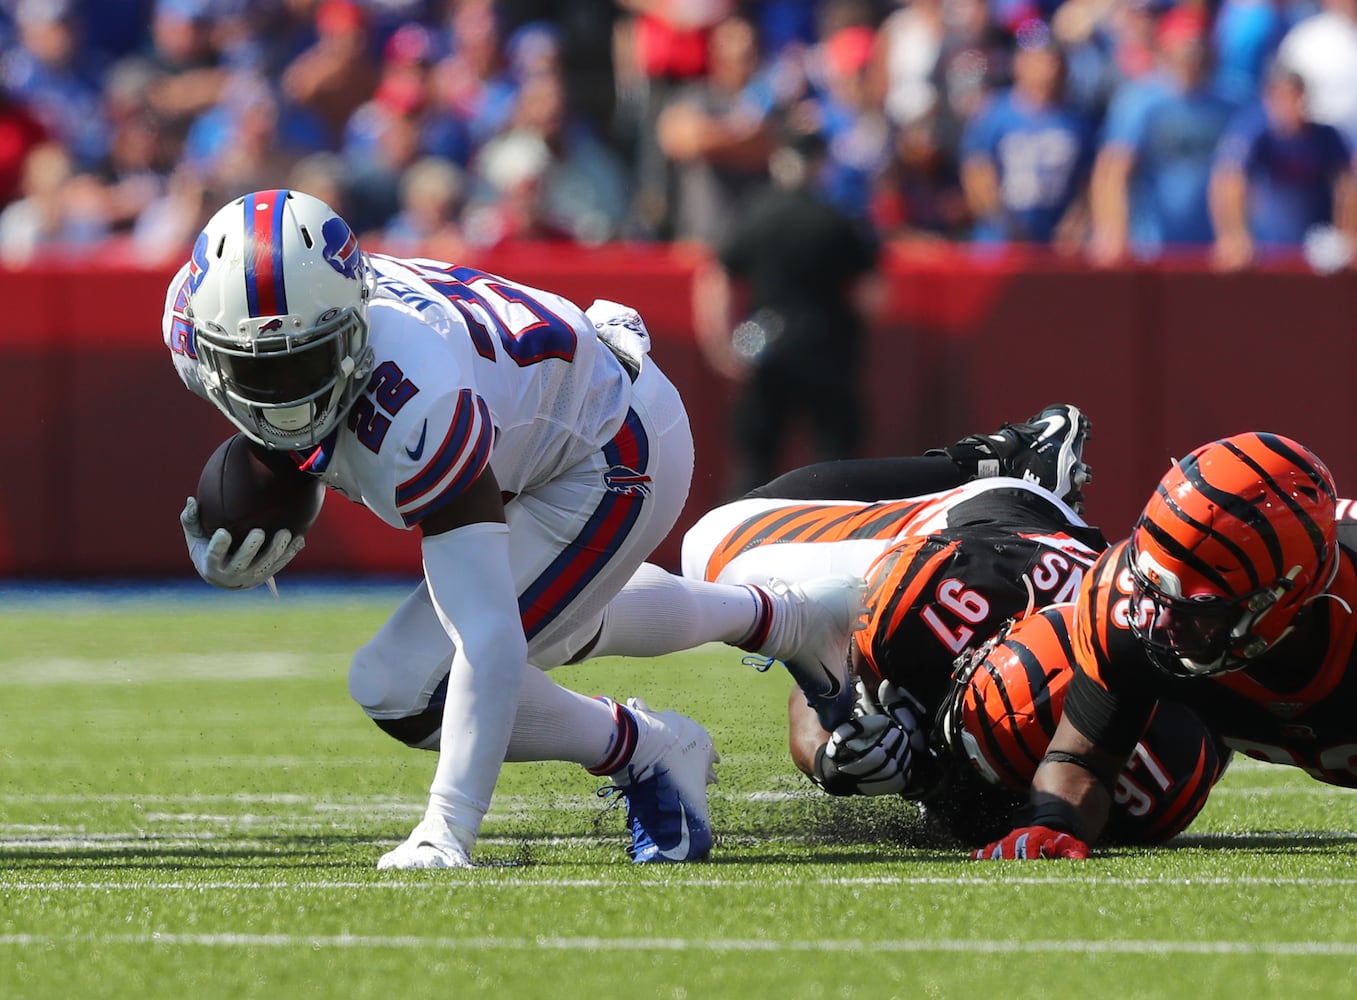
758, 635
624, 740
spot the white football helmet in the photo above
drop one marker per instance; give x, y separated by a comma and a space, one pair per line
278, 295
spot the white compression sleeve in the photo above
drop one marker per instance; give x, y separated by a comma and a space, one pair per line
658, 612
473, 591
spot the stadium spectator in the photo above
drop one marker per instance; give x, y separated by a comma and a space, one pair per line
1322, 48
322, 175
847, 111
61, 211
1026, 155
660, 47
1246, 35
336, 75
584, 190
20, 134
718, 133
238, 145
404, 121
54, 75
974, 61
1150, 179
431, 196
908, 44
919, 196
1278, 176
163, 232
1106, 43
189, 73
134, 169
783, 311
474, 82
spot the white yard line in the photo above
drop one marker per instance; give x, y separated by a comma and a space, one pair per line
968, 946
397, 884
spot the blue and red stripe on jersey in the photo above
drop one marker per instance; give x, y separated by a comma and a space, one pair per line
265, 292
454, 465
598, 541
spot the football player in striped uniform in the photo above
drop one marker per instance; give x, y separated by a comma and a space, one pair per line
1233, 596
946, 572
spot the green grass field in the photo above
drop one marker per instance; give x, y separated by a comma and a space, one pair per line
191, 807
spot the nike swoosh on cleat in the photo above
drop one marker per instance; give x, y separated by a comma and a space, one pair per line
418, 449
1054, 423
680, 851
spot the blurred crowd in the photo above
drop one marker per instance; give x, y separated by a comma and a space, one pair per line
1119, 129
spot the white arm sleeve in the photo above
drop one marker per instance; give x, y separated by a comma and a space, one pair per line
473, 590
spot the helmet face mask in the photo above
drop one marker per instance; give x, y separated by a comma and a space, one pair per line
1239, 537
278, 292
1202, 635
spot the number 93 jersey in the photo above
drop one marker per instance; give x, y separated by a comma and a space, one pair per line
944, 570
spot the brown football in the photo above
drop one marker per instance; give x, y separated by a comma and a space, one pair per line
242, 488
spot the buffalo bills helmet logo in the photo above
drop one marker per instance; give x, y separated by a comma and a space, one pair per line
197, 265
271, 326
341, 246
628, 482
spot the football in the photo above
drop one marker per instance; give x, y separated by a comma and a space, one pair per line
240, 490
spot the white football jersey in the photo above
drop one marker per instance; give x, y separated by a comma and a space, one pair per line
470, 370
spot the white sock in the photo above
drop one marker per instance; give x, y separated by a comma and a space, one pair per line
555, 723
658, 612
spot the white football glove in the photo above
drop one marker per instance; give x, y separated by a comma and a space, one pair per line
432, 844
249, 566
876, 753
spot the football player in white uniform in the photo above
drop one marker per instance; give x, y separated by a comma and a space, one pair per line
541, 454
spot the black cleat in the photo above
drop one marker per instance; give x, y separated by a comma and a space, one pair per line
1048, 449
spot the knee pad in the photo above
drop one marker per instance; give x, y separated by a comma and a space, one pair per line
401, 711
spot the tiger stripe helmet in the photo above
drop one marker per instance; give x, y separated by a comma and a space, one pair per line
1005, 705
1238, 537
1007, 697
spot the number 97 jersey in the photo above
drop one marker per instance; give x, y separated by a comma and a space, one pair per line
944, 571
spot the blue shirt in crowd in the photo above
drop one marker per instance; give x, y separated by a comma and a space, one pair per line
1042, 156
1290, 177
1172, 137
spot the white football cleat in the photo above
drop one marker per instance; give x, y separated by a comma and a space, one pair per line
667, 810
812, 625
431, 845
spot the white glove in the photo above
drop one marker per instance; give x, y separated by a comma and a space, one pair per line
249, 566
432, 844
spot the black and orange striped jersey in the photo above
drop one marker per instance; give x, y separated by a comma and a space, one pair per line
944, 571
1294, 705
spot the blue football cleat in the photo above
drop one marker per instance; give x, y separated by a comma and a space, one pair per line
667, 812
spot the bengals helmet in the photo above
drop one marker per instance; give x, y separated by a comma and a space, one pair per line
1238, 537
1003, 712
1007, 695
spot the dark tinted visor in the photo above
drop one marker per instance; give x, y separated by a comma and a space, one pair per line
1194, 629
285, 378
